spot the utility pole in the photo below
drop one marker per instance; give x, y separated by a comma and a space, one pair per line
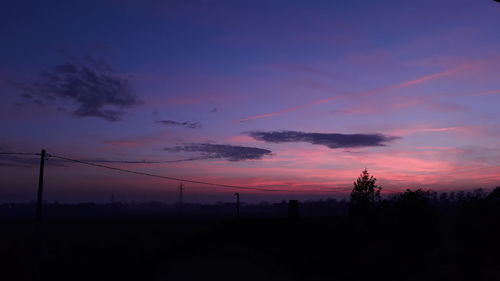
237, 205
39, 198
37, 270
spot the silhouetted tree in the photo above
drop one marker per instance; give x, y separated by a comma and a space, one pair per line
414, 203
363, 196
414, 219
418, 195
365, 191
495, 194
443, 197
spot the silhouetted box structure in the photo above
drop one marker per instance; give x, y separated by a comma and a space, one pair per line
293, 209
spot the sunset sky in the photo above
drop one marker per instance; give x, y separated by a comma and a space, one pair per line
295, 96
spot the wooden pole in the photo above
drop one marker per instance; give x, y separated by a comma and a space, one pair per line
39, 198
38, 222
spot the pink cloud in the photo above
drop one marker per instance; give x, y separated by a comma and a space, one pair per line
434, 76
312, 170
134, 141
486, 93
300, 68
445, 107
371, 92
425, 129
295, 108
241, 139
384, 106
184, 100
440, 61
434, 147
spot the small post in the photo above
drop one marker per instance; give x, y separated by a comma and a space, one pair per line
293, 209
237, 205
39, 199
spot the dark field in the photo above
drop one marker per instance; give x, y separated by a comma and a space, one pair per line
395, 241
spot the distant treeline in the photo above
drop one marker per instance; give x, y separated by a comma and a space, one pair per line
447, 202
414, 235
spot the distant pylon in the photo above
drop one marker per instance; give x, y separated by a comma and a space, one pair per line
237, 205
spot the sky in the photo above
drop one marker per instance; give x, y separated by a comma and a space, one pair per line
294, 98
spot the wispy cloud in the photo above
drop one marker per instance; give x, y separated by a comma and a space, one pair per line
222, 151
370, 92
331, 140
486, 93
291, 109
432, 76
190, 125
427, 129
91, 85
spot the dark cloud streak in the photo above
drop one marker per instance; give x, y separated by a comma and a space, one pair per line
331, 140
143, 161
190, 125
222, 151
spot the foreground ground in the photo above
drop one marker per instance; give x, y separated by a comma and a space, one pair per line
400, 243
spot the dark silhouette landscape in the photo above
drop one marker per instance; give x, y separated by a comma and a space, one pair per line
414, 235
240, 139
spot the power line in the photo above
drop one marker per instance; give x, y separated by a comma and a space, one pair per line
19, 153
187, 180
87, 162
449, 172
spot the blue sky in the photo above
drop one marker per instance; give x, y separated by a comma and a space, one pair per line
424, 74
